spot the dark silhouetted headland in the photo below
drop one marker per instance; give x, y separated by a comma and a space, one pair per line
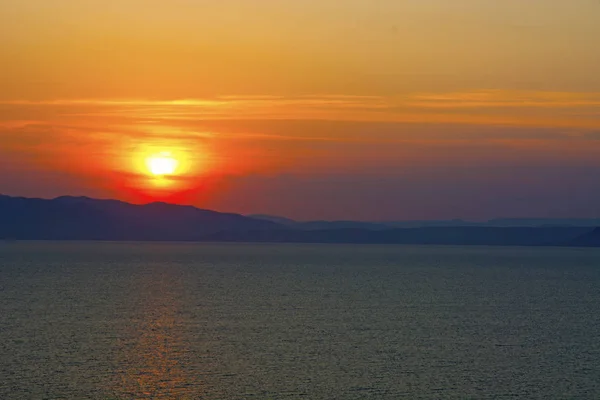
82, 218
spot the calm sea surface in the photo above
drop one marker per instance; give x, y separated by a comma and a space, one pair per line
216, 321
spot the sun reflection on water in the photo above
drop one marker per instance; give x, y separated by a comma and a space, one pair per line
155, 357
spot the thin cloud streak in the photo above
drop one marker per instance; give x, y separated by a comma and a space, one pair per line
550, 109
506, 99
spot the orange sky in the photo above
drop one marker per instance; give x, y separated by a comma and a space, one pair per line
405, 102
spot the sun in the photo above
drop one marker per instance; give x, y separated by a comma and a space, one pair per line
162, 164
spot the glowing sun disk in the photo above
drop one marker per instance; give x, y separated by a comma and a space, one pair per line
162, 164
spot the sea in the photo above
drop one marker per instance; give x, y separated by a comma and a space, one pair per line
101, 320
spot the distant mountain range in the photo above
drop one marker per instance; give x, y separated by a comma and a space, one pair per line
83, 218
498, 222
590, 239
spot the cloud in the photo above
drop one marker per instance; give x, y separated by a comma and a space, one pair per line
505, 99
490, 107
249, 134
594, 135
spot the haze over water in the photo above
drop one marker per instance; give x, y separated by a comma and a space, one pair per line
211, 321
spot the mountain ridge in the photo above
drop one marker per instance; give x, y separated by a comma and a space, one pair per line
84, 218
77, 218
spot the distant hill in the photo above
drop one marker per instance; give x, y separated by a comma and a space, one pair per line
381, 225
590, 239
82, 218
328, 225
581, 222
273, 218
503, 223
320, 225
